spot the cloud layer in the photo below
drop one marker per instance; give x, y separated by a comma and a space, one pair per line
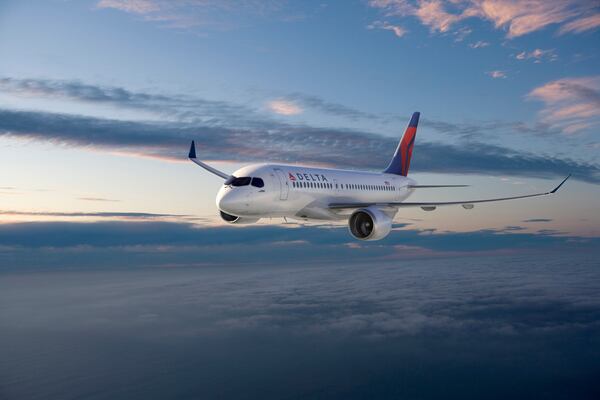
144, 241
333, 330
226, 131
283, 143
518, 18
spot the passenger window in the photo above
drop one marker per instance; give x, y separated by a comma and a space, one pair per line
258, 182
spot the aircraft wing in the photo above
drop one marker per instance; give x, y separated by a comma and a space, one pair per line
431, 205
192, 157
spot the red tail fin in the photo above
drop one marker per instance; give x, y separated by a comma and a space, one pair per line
401, 161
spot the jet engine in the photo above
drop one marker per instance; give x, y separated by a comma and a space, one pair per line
369, 224
233, 219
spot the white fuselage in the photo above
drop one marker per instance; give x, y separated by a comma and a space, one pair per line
305, 192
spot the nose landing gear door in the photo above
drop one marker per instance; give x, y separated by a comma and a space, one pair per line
283, 184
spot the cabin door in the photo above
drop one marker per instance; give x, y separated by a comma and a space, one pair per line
284, 187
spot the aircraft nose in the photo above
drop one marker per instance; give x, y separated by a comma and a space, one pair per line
230, 201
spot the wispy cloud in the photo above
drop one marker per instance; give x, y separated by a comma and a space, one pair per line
97, 199
571, 104
318, 104
179, 106
284, 107
479, 44
497, 74
538, 55
282, 142
582, 24
75, 214
538, 220
131, 6
227, 131
516, 17
396, 29
203, 14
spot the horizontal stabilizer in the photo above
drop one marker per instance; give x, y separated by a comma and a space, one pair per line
434, 186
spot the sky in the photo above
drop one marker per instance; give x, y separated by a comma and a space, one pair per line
100, 99
118, 280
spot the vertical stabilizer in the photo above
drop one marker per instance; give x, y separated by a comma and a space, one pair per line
401, 161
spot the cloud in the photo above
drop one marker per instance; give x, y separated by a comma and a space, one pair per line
479, 44
434, 15
335, 109
538, 55
538, 220
179, 107
131, 6
116, 215
284, 107
516, 17
282, 143
227, 131
185, 243
582, 24
571, 104
461, 34
97, 199
394, 326
497, 74
396, 29
203, 14
175, 106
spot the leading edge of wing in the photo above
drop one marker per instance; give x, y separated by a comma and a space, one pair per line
443, 203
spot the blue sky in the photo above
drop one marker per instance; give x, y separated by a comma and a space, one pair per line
99, 99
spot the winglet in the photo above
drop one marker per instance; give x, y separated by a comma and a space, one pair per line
560, 184
192, 157
192, 153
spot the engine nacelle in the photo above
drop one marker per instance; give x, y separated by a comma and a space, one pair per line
369, 224
233, 219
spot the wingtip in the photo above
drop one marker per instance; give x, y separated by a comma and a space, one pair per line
192, 153
560, 184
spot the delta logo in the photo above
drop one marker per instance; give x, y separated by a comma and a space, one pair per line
307, 177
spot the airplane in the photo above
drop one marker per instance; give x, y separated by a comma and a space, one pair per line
368, 201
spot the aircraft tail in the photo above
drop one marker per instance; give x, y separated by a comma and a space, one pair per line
401, 161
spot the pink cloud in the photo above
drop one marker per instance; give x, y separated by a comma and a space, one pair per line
570, 104
497, 74
537, 55
433, 14
284, 107
396, 29
517, 17
582, 24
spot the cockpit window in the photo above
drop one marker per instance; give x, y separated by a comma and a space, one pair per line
235, 181
258, 182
